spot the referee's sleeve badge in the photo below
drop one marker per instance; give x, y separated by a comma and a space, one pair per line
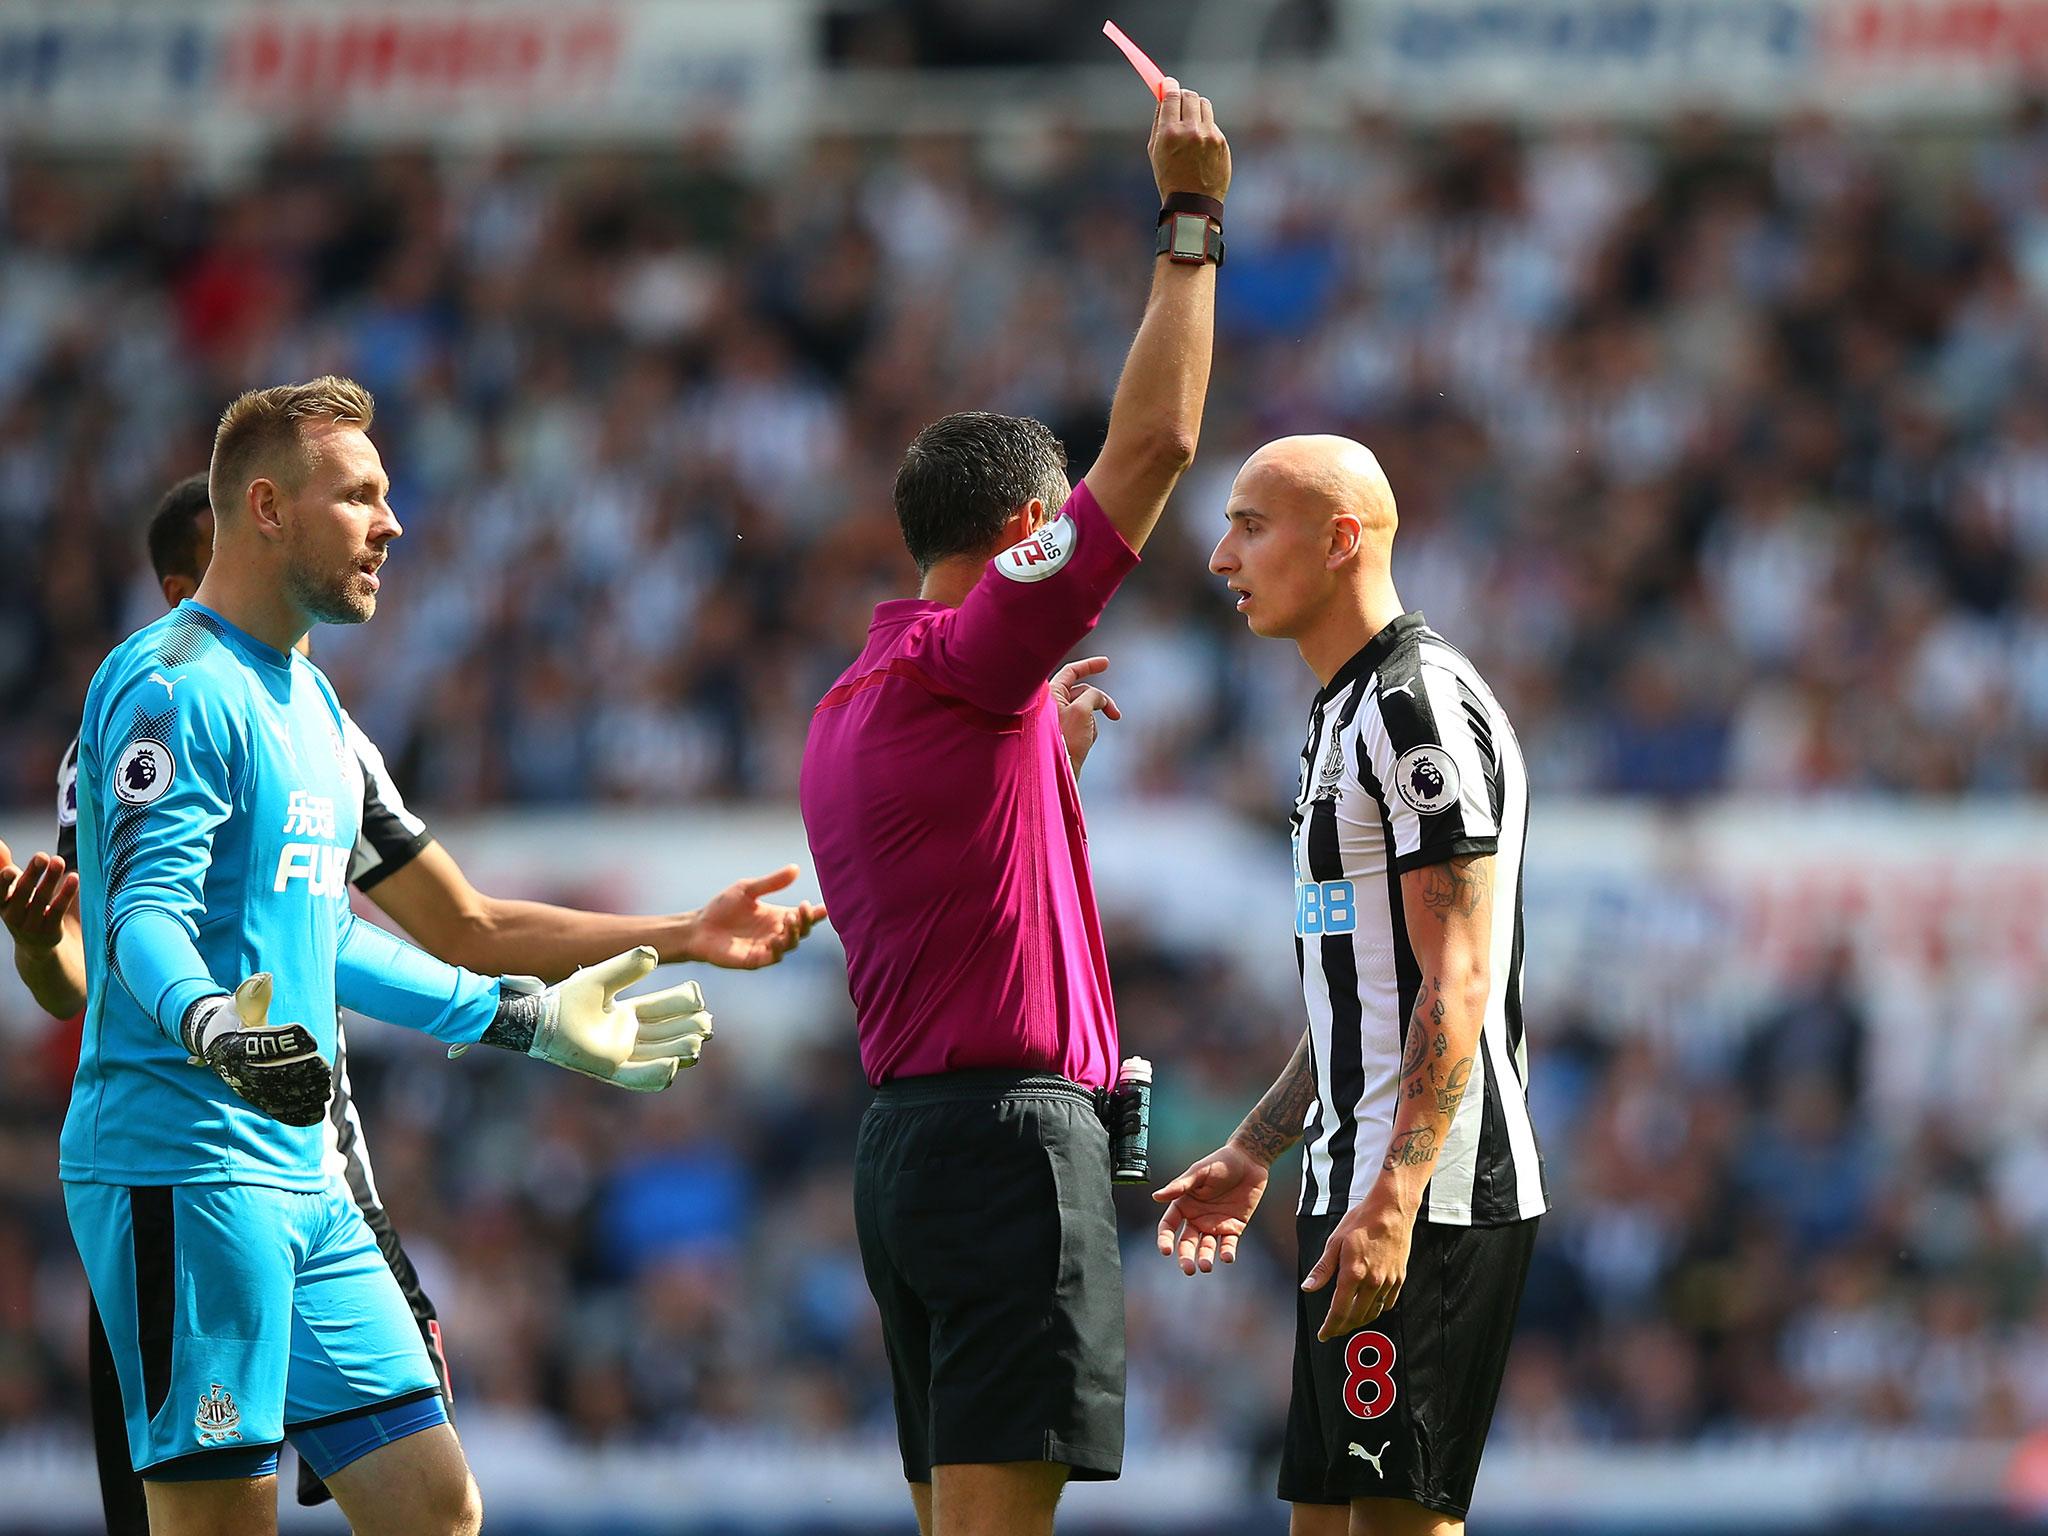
1043, 554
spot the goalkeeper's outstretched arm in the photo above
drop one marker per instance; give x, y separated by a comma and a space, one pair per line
581, 1023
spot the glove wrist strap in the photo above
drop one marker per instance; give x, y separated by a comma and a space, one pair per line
522, 1012
206, 1021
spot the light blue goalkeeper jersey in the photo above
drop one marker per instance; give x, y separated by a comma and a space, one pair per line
216, 816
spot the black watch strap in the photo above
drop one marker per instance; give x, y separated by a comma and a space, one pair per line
1191, 202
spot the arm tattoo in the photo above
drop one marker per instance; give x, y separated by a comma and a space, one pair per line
1413, 1148
1276, 1121
1458, 886
1423, 1071
1423, 1042
1414, 1051
1431, 1081
1451, 1092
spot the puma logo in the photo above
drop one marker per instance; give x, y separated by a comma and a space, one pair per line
170, 684
1407, 688
1355, 1449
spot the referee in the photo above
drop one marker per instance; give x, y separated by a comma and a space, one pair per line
946, 829
1422, 1183
398, 864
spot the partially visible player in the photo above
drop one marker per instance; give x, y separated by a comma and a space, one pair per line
945, 824
417, 883
243, 1293
1422, 1183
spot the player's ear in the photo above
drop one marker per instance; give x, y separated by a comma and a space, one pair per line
1347, 533
265, 505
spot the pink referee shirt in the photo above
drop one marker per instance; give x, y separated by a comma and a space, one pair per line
945, 824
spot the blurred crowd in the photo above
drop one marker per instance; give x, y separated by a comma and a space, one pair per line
1724, 455
1738, 1245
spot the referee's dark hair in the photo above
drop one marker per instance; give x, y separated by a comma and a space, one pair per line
965, 474
174, 529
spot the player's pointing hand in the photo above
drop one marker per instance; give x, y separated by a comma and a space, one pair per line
1368, 1257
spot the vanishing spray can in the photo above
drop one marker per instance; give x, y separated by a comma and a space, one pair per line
1130, 1123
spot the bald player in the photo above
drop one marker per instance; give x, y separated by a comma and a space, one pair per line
1422, 1184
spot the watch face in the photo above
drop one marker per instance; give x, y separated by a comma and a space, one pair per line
1190, 235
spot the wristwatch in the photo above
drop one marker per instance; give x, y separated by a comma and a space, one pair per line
1190, 229
1192, 238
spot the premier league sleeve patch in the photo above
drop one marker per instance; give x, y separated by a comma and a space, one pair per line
1043, 553
1426, 779
143, 772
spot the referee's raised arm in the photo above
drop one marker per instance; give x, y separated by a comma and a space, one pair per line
1156, 418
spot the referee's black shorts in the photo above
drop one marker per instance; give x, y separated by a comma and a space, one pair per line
989, 1239
1400, 1409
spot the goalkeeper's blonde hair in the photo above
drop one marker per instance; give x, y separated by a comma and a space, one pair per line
260, 435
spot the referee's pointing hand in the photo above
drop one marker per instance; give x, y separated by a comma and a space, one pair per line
1078, 703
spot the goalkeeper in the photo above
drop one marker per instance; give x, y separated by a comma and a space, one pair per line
243, 1294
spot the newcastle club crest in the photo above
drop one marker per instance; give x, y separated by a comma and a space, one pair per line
218, 1420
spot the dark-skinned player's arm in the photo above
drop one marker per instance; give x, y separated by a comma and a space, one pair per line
1449, 913
441, 911
1155, 420
39, 908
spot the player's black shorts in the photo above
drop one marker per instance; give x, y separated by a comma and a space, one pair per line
989, 1239
1400, 1409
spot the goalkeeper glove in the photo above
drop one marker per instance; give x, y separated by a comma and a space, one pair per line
583, 1024
277, 1068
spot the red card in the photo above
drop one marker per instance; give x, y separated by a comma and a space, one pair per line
1153, 76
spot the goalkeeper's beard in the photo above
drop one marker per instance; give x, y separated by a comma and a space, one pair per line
330, 594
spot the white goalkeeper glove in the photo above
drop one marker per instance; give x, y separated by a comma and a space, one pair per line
583, 1024
277, 1068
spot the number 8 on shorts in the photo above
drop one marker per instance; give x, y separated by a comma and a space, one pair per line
1369, 1375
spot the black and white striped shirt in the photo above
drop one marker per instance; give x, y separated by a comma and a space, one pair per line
1410, 761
